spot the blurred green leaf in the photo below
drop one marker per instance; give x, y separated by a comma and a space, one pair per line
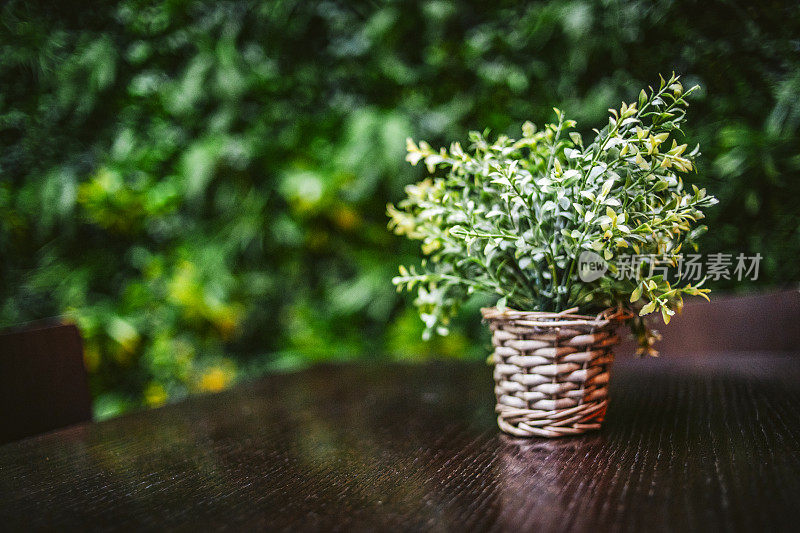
215, 174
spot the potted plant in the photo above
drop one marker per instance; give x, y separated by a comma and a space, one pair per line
571, 236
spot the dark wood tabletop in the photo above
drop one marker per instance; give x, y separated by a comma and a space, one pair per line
699, 443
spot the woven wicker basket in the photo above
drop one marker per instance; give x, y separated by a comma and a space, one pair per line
551, 369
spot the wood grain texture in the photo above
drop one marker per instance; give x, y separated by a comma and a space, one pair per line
689, 444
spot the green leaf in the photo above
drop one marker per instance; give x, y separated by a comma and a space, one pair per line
636, 294
607, 187
648, 308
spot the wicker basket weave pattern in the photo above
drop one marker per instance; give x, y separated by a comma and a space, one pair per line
551, 370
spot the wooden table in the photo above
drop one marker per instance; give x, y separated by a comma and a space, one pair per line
709, 443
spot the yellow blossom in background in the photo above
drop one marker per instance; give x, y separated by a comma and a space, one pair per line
215, 379
346, 218
91, 356
155, 395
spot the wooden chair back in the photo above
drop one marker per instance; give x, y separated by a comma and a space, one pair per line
762, 322
43, 381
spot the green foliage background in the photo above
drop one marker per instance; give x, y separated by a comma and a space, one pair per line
202, 185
